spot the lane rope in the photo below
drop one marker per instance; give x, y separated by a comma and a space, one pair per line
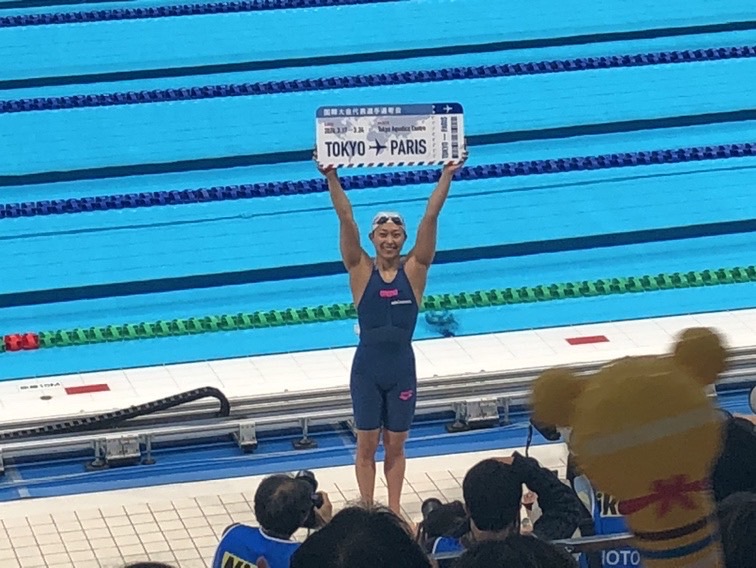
372, 181
152, 12
346, 311
375, 79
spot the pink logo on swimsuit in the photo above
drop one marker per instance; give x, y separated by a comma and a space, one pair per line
406, 395
389, 293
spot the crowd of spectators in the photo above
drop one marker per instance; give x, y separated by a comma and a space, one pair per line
490, 528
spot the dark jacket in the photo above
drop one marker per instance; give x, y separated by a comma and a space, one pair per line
735, 470
560, 506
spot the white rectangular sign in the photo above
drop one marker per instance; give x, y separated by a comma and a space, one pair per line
390, 135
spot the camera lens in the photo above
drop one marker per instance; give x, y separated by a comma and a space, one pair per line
430, 505
317, 500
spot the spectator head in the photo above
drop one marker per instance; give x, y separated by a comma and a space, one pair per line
282, 504
492, 494
515, 551
361, 537
737, 519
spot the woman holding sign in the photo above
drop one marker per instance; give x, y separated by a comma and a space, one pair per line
387, 292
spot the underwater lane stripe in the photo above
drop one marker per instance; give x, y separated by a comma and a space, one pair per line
333, 268
393, 55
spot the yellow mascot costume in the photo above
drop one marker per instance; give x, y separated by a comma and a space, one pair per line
644, 431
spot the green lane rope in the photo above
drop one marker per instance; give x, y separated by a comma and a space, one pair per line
337, 312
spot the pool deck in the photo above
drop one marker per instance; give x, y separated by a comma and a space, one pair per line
62, 396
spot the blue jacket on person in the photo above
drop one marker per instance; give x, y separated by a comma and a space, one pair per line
241, 546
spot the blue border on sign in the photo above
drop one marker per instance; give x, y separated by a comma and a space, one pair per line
338, 111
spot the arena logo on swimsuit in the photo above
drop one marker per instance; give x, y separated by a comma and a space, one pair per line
389, 293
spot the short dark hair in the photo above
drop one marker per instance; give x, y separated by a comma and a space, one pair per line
282, 504
492, 494
360, 537
515, 550
737, 520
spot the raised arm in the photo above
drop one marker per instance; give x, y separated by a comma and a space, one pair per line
560, 506
425, 243
349, 236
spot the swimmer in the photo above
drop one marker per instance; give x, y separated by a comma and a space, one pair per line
387, 291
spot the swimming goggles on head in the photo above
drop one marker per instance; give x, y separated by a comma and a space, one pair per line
384, 217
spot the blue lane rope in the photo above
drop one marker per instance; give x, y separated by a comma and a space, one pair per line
369, 181
151, 12
374, 80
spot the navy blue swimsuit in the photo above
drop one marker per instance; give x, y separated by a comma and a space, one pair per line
384, 380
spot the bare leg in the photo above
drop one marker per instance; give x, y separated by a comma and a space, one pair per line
367, 444
394, 466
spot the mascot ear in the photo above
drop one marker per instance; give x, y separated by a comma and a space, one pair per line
700, 352
554, 395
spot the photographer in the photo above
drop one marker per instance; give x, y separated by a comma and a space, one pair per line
492, 492
283, 504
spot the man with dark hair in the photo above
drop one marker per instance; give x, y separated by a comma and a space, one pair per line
492, 491
492, 495
282, 505
362, 537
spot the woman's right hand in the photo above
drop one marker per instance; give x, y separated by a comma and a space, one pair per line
321, 169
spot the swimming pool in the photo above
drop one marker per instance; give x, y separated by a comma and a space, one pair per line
538, 229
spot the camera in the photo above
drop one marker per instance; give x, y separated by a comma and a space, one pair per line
546, 430
312, 521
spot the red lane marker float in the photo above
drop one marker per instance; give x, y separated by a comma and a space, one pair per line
587, 340
85, 389
21, 342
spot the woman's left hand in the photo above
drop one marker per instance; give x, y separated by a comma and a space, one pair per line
453, 168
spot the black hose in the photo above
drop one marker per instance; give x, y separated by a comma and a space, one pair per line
111, 419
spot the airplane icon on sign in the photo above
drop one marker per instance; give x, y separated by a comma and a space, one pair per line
448, 109
378, 147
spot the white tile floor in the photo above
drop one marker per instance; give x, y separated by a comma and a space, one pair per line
180, 524
307, 371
